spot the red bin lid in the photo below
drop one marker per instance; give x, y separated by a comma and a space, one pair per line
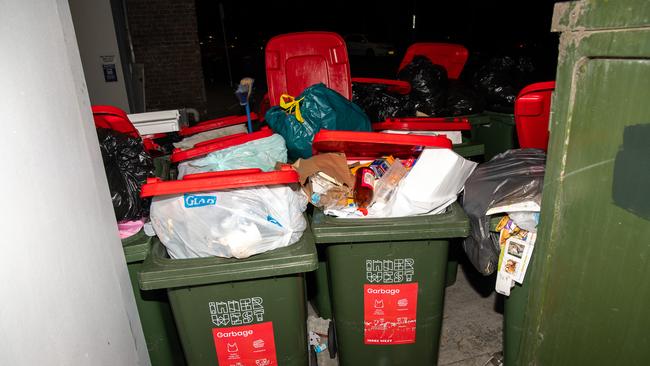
206, 147
424, 124
451, 56
216, 181
370, 145
113, 118
213, 124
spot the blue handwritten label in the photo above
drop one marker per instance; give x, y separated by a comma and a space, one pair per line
193, 200
271, 219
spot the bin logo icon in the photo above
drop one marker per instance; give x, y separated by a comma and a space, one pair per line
232, 347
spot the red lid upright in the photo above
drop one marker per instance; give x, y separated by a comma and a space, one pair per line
532, 114
371, 145
113, 118
206, 147
216, 181
295, 61
451, 56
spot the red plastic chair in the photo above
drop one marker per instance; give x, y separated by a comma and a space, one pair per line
532, 114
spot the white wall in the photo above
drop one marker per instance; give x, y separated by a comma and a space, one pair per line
65, 295
93, 23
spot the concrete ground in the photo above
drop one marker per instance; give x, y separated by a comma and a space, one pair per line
472, 320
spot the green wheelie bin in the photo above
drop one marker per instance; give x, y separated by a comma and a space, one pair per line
386, 275
237, 310
153, 307
398, 265
230, 311
495, 131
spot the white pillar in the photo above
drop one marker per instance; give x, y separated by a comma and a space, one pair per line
65, 295
95, 30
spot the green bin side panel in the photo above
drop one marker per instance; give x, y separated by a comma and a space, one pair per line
513, 321
157, 323
347, 269
284, 305
319, 292
590, 303
496, 131
162, 167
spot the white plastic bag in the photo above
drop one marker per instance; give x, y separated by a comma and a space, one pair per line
230, 223
431, 186
263, 154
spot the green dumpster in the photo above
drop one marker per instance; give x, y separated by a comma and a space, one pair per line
388, 273
153, 307
496, 131
238, 311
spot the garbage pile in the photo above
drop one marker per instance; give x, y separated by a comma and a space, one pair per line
511, 183
493, 86
318, 107
127, 165
386, 186
500, 79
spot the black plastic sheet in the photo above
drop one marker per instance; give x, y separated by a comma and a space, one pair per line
380, 104
501, 79
127, 167
429, 85
510, 177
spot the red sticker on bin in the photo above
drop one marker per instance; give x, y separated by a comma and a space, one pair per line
390, 313
248, 345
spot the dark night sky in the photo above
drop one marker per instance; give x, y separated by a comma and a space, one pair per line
494, 27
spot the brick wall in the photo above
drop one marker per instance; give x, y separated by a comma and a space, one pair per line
165, 39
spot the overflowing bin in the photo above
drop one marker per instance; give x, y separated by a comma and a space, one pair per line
386, 275
153, 306
232, 311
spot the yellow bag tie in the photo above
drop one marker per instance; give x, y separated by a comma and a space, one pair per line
291, 105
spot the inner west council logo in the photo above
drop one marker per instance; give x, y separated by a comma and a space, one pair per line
237, 312
390, 270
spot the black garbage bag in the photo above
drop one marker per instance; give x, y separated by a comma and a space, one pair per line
510, 177
380, 104
166, 143
127, 167
428, 85
501, 79
462, 100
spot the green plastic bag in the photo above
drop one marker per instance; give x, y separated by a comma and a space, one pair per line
319, 108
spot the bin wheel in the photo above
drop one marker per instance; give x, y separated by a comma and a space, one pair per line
331, 340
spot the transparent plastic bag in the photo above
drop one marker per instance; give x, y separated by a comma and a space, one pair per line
231, 223
263, 154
